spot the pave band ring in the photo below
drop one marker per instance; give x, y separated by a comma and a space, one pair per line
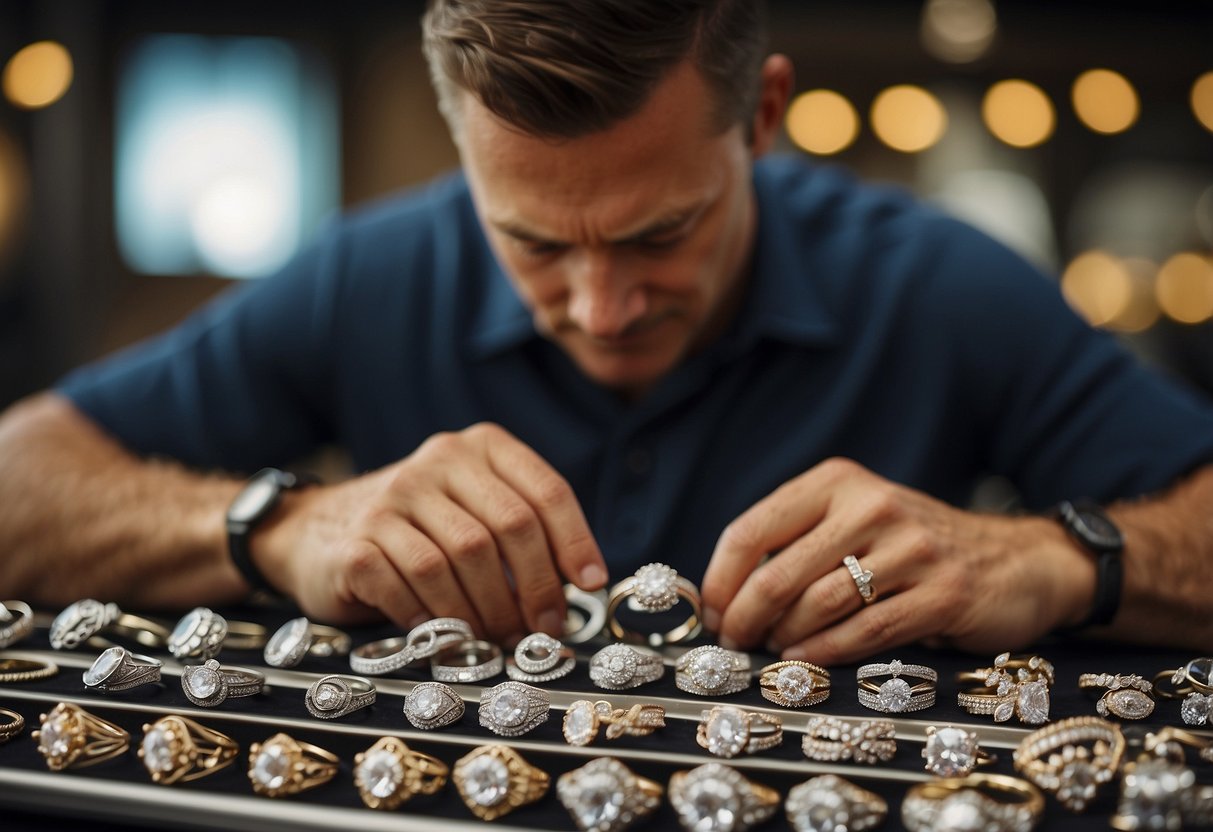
335, 696
621, 666
1012, 687
862, 578
840, 803
540, 658
604, 795
118, 669
13, 628
829, 739
11, 728
432, 705
583, 717
494, 780
423, 641
81, 620
209, 684
466, 662
26, 670
711, 789
712, 671
1072, 758
1127, 696
794, 684
727, 731
654, 588
70, 737
895, 695
284, 766
177, 750
389, 773
511, 709
299, 637
991, 801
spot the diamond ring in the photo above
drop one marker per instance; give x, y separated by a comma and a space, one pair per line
604, 795
71, 737
654, 588
432, 705
466, 662
284, 766
1023, 693
1159, 793
830, 739
207, 685
862, 578
1128, 696
14, 726
118, 669
985, 801
198, 636
953, 752
82, 620
13, 628
540, 658
335, 696
583, 717
895, 695
712, 671
389, 773
423, 641
838, 802
26, 670
727, 731
299, 637
1072, 758
621, 666
177, 750
711, 791
513, 708
494, 780
1195, 676
794, 684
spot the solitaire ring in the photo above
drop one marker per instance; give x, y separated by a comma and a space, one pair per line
511, 709
118, 669
621, 666
862, 578
389, 773
84, 619
13, 628
712, 671
604, 795
177, 750
432, 705
284, 766
714, 789
654, 588
423, 641
71, 737
209, 684
494, 780
895, 695
838, 802
540, 658
299, 637
335, 696
727, 731
467, 662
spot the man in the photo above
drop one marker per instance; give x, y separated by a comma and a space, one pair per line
618, 338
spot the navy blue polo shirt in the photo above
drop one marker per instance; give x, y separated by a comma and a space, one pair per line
873, 328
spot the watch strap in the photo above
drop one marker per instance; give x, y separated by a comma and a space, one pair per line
1109, 566
239, 533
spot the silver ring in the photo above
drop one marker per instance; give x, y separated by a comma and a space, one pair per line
727, 731
432, 705
334, 696
621, 666
198, 636
540, 658
299, 637
712, 671
586, 614
829, 739
209, 684
862, 578
119, 669
13, 628
467, 662
513, 708
423, 641
895, 695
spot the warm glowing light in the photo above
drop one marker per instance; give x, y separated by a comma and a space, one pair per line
1202, 100
14, 188
1141, 312
1018, 113
1098, 286
1185, 288
1105, 101
822, 122
38, 75
958, 31
908, 118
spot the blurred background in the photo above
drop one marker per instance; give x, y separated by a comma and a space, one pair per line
152, 153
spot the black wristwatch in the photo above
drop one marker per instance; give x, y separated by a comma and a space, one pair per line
250, 507
1090, 525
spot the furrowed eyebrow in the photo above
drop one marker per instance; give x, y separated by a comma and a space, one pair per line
661, 226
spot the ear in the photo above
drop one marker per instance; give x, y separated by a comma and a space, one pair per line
777, 79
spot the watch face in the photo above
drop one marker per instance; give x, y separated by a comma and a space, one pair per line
1099, 531
249, 504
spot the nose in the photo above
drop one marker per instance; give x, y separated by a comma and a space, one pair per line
603, 301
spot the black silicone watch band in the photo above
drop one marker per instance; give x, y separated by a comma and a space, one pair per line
238, 532
1109, 567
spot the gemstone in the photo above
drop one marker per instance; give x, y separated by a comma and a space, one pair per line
1078, 783
818, 809
327, 697
55, 739
426, 702
1032, 702
380, 773
157, 750
1196, 708
950, 752
203, 682
596, 796
895, 667
710, 670
1200, 671
105, 665
894, 695
710, 804
962, 812
486, 780
580, 723
509, 708
1128, 703
272, 766
727, 731
288, 639
794, 683
186, 626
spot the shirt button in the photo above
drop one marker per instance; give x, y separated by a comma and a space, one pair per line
639, 461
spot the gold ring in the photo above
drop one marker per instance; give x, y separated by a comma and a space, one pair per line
727, 731
794, 684
1128, 696
245, 635
284, 766
583, 717
731, 791
479, 775
840, 803
654, 588
953, 752
606, 782
177, 750
13, 727
1014, 686
389, 773
1170, 742
868, 741
1072, 758
995, 801
1195, 676
71, 737
24, 670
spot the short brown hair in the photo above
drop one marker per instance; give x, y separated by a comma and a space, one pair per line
567, 68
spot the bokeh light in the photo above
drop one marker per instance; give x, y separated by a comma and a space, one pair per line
1105, 101
1185, 288
822, 122
908, 118
1018, 113
38, 75
1098, 286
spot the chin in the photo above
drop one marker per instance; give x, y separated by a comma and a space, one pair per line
629, 374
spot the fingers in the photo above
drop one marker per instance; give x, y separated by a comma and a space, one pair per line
366, 580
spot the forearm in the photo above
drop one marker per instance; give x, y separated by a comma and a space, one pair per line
82, 517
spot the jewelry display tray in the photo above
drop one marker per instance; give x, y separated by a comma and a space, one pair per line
119, 794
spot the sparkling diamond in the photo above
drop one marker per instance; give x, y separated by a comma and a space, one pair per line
283, 644
203, 682
1200, 671
105, 664
951, 752
327, 697
579, 723
1128, 703
727, 732
426, 702
710, 804
962, 812
380, 773
895, 667
818, 808
710, 670
56, 737
1078, 784
894, 695
1032, 702
509, 708
486, 780
157, 750
794, 683
654, 587
186, 626
272, 766
1196, 708
596, 795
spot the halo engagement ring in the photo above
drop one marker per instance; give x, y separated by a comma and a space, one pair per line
209, 684
1072, 758
830, 802
862, 578
511, 709
712, 671
71, 737
14, 627
177, 750
621, 666
540, 658
604, 795
118, 669
583, 717
895, 695
829, 739
654, 588
432, 705
1128, 696
423, 641
283, 766
466, 662
727, 731
389, 773
794, 684
26, 670
335, 696
494, 780
299, 637
712, 791
1012, 687
985, 801
84, 619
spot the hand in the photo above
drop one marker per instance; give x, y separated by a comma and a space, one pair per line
983, 583
472, 524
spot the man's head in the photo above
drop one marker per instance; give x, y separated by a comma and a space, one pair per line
608, 145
